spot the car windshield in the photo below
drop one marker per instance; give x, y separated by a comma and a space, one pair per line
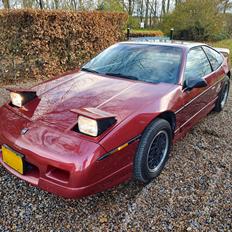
149, 63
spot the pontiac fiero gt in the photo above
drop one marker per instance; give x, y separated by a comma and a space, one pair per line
114, 119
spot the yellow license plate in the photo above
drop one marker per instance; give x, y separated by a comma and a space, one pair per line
12, 159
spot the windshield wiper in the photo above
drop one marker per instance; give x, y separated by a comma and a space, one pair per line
122, 76
89, 70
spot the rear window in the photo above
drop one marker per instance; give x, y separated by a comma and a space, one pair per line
215, 57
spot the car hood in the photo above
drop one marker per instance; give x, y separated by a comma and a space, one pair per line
117, 96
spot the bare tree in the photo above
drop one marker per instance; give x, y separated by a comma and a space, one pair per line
27, 3
163, 10
154, 11
56, 4
73, 4
146, 12
81, 6
168, 6
128, 6
6, 4
140, 9
41, 4
226, 5
177, 2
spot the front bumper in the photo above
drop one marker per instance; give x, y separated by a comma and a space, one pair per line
60, 162
65, 190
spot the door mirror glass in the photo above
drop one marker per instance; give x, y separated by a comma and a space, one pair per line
194, 82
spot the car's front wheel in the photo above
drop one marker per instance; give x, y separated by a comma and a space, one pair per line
153, 150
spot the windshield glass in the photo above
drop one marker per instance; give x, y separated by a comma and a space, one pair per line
149, 63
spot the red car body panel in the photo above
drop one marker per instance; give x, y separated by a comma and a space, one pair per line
69, 163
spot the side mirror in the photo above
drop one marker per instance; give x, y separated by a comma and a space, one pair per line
194, 82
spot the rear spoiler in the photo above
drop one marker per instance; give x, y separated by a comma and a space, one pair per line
224, 51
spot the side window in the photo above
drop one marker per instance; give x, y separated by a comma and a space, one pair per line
215, 57
197, 65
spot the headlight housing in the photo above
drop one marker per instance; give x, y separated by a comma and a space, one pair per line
94, 127
20, 98
16, 99
87, 126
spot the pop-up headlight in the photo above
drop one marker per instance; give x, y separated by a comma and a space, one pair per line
20, 98
16, 99
87, 126
92, 121
94, 127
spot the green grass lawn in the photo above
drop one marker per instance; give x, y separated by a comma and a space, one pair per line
224, 44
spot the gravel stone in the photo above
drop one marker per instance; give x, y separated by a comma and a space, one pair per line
193, 193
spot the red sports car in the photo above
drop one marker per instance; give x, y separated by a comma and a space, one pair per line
114, 119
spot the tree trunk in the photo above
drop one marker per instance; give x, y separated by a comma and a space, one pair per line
80, 5
151, 11
155, 11
27, 3
226, 6
141, 11
156, 6
130, 7
146, 14
150, 18
177, 2
74, 4
41, 5
56, 3
6, 4
168, 6
163, 7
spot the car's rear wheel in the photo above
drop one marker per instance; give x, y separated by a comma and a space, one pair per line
153, 151
223, 96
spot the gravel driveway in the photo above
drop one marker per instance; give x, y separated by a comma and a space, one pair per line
194, 193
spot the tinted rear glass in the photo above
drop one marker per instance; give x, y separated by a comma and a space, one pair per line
215, 57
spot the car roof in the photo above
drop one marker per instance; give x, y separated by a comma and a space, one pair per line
173, 43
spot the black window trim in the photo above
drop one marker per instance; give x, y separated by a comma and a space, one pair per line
212, 70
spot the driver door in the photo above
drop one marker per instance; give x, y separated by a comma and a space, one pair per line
196, 100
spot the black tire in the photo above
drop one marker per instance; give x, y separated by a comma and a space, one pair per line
223, 96
143, 161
